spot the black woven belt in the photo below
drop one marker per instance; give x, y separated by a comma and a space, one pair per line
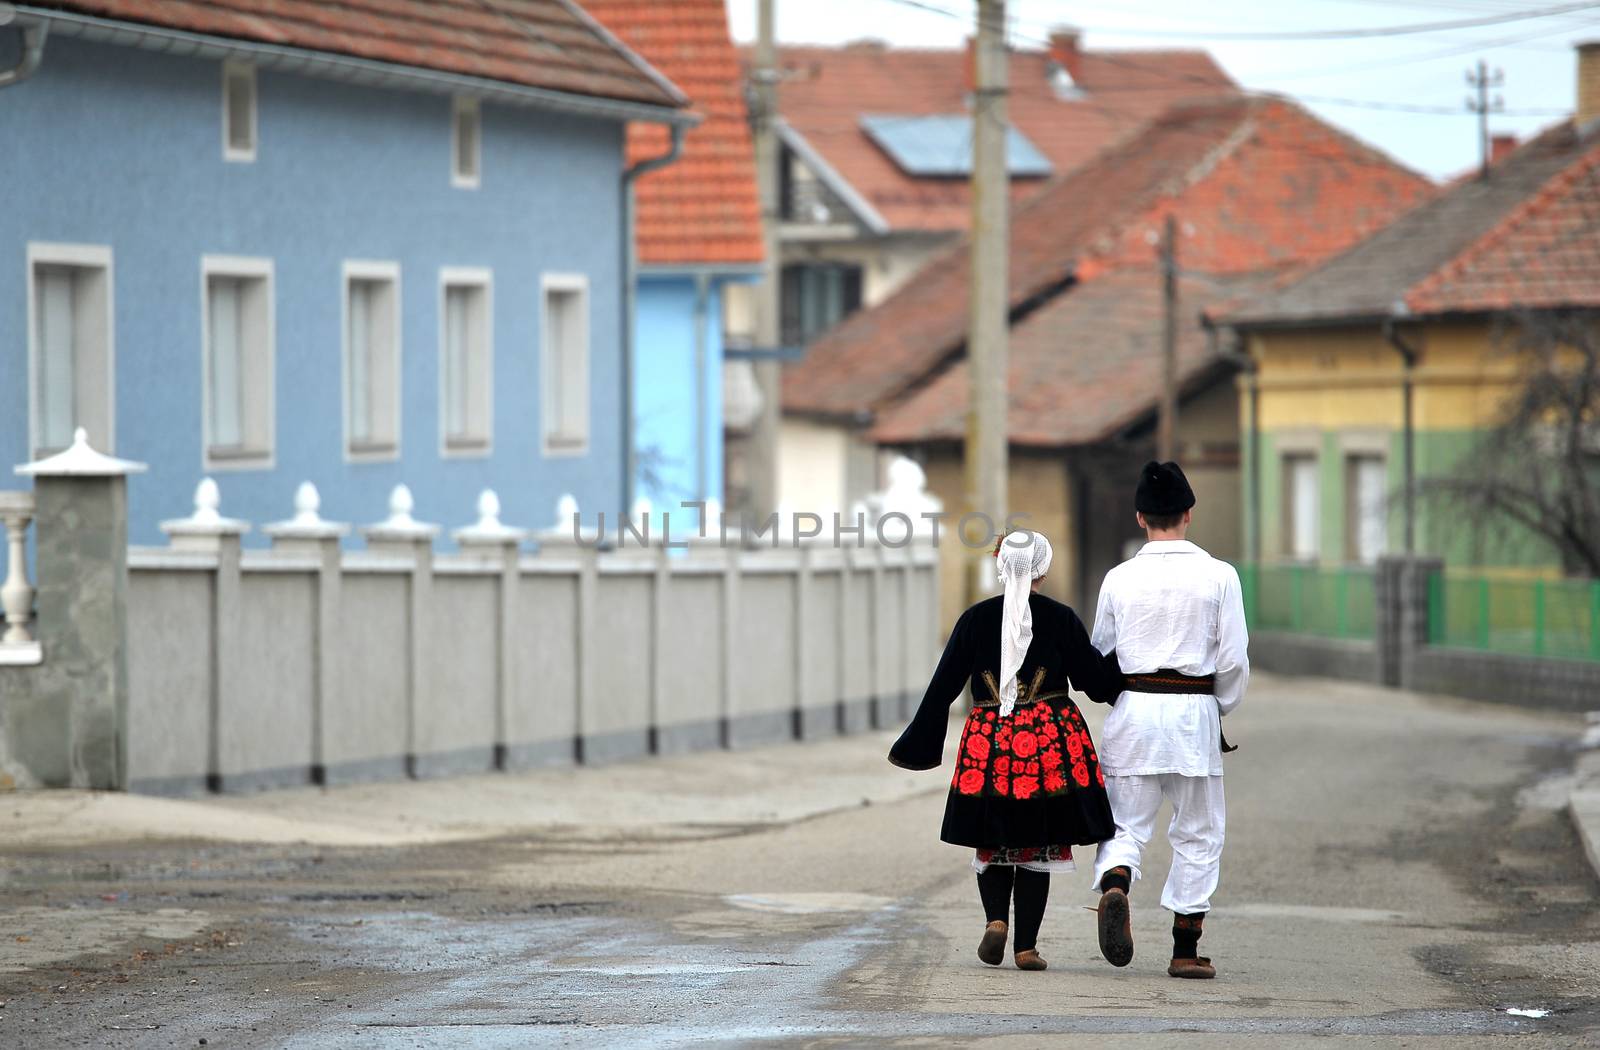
1169, 681
1165, 681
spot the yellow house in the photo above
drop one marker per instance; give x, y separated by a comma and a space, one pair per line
1388, 361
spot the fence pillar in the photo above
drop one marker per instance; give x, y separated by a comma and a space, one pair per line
69, 727
502, 543
566, 536
1387, 588
308, 534
403, 536
1402, 627
207, 531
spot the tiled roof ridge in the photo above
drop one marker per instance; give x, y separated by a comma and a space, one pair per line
628, 54
1588, 159
1373, 153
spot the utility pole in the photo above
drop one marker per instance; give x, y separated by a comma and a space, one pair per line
761, 462
987, 322
1167, 425
1481, 81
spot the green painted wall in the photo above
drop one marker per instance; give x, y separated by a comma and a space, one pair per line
1461, 542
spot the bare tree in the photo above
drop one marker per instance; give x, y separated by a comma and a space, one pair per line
1537, 469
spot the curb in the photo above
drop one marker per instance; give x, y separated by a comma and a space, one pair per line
1583, 803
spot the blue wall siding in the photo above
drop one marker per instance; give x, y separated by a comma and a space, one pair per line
120, 147
665, 402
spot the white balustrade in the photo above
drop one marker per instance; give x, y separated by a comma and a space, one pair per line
488, 530
566, 511
399, 529
17, 645
205, 528
307, 528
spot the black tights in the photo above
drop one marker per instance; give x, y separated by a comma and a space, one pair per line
999, 883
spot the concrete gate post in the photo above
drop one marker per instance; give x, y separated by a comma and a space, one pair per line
1402, 615
70, 727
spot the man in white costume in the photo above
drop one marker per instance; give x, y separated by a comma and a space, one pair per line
1175, 617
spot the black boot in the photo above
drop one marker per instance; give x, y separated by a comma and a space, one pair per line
1186, 959
1116, 917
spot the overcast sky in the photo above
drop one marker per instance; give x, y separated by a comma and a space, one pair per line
1424, 69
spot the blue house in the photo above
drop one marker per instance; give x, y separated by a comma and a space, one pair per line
699, 234
276, 240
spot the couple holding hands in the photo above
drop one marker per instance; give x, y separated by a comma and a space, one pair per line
1168, 652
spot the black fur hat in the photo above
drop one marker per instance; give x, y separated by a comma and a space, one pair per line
1162, 490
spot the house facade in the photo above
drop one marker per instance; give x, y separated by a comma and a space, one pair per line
1257, 189
245, 242
1403, 342
698, 235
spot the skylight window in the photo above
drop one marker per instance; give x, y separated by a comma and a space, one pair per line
941, 146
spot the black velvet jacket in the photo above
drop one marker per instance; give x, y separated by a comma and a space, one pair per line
1060, 646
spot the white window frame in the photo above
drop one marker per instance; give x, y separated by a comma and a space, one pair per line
476, 277
1354, 521
85, 256
230, 152
370, 270
462, 106
249, 267
564, 282
1290, 459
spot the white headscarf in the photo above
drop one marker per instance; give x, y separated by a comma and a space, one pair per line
1024, 557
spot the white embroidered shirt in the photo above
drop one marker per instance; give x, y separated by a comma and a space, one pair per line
1171, 607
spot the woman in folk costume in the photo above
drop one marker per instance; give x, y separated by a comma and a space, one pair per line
1027, 784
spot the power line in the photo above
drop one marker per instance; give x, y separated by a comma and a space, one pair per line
1356, 33
1210, 84
1409, 60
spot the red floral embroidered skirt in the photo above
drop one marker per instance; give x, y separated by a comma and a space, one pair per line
1029, 780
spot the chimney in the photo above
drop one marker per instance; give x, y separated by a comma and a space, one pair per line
969, 68
1500, 147
1064, 47
1588, 82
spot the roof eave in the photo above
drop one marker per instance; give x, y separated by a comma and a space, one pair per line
351, 69
1257, 322
750, 269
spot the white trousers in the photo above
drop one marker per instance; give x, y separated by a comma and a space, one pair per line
1199, 818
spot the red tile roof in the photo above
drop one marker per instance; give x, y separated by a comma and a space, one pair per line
534, 43
1084, 367
1259, 186
1546, 253
827, 90
1526, 236
702, 209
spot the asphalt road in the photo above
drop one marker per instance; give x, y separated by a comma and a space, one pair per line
1398, 872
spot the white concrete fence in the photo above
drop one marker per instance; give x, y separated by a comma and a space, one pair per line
311, 663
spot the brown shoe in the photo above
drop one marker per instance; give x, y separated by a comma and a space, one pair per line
1116, 927
992, 949
1028, 959
1197, 969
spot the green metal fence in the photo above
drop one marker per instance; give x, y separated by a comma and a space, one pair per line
1335, 603
1559, 618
